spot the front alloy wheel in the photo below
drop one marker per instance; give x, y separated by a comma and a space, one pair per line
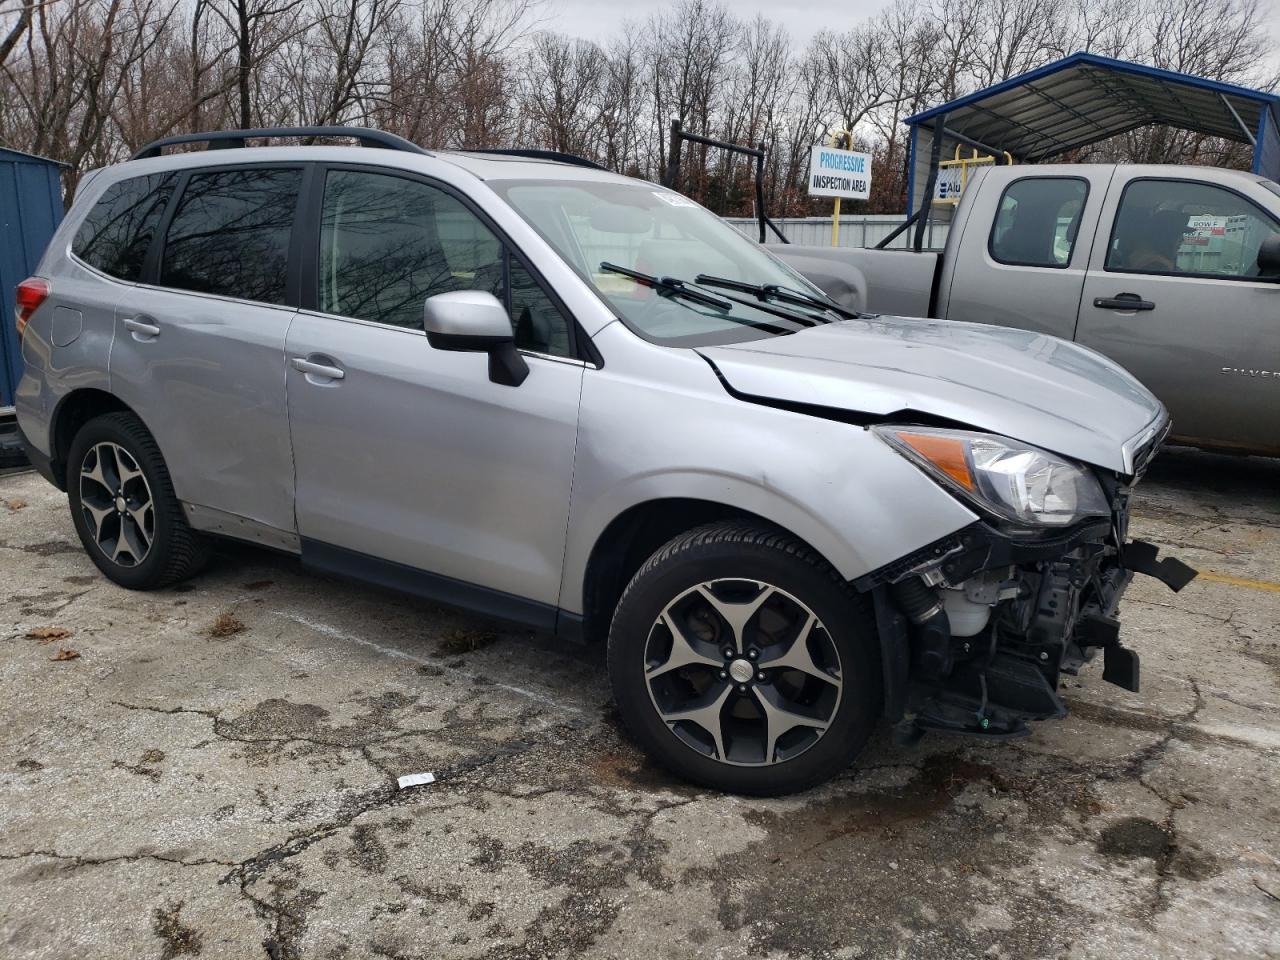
742, 661
743, 672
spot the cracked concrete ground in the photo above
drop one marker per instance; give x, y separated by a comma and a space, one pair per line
214, 775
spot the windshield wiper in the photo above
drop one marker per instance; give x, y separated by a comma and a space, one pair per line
669, 286
772, 291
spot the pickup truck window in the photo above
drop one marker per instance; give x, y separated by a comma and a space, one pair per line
1187, 228
1037, 221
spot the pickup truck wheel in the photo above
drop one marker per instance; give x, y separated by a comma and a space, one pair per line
124, 508
741, 661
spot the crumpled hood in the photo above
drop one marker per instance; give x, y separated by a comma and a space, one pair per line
1029, 386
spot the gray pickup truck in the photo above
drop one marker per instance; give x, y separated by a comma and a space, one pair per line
1172, 271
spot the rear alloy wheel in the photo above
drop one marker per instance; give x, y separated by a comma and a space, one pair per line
117, 504
741, 661
124, 508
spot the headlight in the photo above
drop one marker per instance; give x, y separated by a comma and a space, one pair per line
1006, 477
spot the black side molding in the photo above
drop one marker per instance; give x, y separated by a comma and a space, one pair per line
430, 586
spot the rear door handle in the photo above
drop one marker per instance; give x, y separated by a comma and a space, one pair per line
141, 327
1123, 301
318, 369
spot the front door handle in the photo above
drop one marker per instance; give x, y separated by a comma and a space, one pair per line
318, 369
141, 327
1123, 301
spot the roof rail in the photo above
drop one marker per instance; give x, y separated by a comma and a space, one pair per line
554, 155
227, 139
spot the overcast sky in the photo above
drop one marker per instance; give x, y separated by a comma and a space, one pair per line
599, 19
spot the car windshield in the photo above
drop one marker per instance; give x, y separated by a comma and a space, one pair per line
646, 229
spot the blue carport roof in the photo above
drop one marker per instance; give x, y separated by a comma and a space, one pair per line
1085, 98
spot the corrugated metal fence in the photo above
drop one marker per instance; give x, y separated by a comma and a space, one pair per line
858, 231
30, 210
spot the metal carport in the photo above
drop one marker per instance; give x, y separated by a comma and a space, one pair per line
1083, 99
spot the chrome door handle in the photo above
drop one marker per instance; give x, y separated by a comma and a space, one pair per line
141, 327
1123, 301
318, 369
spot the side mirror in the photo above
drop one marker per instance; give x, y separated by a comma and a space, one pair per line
1269, 257
475, 321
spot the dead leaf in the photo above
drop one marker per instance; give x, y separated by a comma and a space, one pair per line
15, 505
48, 634
65, 654
226, 625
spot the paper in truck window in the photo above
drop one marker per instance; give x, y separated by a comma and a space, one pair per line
673, 199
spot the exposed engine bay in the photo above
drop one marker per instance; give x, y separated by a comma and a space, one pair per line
978, 628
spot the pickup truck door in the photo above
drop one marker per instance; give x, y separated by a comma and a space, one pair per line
1173, 294
1020, 257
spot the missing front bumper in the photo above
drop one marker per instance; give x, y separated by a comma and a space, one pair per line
1057, 609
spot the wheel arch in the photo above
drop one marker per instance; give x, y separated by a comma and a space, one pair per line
633, 535
73, 411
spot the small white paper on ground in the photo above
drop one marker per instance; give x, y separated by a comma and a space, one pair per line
416, 779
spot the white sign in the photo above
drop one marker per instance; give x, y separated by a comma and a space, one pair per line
1206, 226
950, 183
839, 173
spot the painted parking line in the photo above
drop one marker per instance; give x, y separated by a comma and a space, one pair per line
1268, 585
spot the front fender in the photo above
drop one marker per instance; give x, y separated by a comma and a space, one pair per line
681, 435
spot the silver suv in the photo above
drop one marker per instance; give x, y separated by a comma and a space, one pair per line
530, 387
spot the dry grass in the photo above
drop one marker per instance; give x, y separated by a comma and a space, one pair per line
463, 641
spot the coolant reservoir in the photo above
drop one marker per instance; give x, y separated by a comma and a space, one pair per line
967, 617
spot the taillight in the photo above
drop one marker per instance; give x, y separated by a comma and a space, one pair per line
31, 293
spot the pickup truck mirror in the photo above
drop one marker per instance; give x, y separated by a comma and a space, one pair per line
1269, 257
475, 321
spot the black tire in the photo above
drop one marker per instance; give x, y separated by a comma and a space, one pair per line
741, 551
175, 551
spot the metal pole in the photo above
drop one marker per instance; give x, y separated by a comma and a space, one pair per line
673, 156
836, 135
935, 157
760, 191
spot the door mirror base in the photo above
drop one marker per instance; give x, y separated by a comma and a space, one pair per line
506, 365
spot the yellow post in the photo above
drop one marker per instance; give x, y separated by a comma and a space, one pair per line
835, 210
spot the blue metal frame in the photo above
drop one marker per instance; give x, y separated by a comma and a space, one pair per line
1106, 63
1266, 154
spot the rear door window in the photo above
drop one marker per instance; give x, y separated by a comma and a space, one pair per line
1187, 228
1037, 221
230, 234
116, 234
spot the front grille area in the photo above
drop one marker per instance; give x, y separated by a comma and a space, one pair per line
1145, 454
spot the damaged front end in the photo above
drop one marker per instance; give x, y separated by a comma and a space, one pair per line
977, 628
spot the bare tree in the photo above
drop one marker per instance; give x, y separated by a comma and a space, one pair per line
564, 82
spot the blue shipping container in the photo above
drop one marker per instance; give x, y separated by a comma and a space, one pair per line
30, 210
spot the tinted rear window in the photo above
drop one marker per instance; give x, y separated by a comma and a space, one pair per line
118, 230
1037, 221
230, 234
